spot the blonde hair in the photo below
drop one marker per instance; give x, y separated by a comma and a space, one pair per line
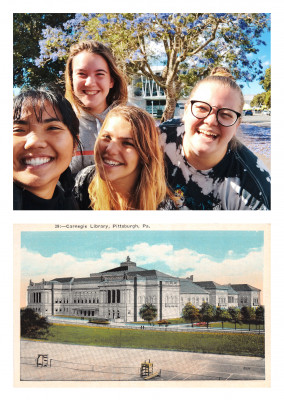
117, 94
151, 188
223, 76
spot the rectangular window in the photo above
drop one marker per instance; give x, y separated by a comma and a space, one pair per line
118, 296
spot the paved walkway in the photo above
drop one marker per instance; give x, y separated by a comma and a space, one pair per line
90, 363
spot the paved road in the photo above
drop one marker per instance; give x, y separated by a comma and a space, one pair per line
258, 119
90, 363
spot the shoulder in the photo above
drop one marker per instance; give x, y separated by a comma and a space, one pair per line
17, 197
85, 175
82, 182
257, 179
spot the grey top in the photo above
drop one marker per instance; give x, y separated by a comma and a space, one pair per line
90, 126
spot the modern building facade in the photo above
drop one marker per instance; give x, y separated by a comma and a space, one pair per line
119, 293
147, 94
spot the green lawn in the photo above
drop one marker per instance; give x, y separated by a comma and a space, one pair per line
205, 342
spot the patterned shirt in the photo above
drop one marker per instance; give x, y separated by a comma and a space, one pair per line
240, 181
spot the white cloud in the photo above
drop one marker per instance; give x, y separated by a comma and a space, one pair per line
182, 262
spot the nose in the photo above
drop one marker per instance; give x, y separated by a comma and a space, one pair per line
35, 140
89, 81
212, 118
112, 147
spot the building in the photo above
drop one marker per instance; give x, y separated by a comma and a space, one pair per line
147, 94
220, 295
119, 293
248, 295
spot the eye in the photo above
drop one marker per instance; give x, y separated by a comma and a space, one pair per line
18, 129
128, 143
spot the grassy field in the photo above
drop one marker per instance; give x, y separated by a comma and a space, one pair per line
205, 342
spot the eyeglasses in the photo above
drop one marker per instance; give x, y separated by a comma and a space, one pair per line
225, 116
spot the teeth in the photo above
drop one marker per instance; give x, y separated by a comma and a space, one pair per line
91, 92
208, 133
37, 161
110, 162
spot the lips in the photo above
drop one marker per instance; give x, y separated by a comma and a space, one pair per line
91, 92
112, 163
208, 134
37, 161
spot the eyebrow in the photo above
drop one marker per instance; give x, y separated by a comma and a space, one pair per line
97, 70
120, 138
45, 121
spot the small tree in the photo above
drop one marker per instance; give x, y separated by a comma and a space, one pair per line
148, 312
235, 315
259, 315
248, 315
222, 315
33, 325
190, 313
207, 313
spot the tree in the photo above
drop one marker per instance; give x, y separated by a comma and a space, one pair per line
222, 315
258, 100
185, 44
248, 315
27, 33
259, 315
207, 312
33, 325
235, 315
190, 313
264, 99
148, 312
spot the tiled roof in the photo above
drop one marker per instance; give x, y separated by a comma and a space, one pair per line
244, 287
210, 285
187, 286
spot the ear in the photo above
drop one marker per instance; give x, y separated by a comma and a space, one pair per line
111, 84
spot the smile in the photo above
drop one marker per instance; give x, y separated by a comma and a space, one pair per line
206, 133
35, 162
112, 163
91, 92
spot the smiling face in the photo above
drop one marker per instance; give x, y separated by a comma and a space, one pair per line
91, 80
206, 141
119, 158
42, 150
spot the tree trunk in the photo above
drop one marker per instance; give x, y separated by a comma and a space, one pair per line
170, 103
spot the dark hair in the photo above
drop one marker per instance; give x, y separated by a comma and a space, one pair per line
35, 99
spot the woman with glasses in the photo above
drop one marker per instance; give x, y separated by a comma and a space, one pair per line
206, 165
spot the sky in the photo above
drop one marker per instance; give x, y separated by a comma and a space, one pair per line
264, 55
222, 256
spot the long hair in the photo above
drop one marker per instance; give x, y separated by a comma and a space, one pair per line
117, 94
151, 188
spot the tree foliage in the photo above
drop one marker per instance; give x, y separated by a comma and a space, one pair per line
148, 312
259, 315
33, 325
263, 99
27, 33
207, 312
235, 315
190, 313
185, 44
222, 315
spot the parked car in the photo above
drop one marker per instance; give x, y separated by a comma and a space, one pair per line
266, 112
248, 112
